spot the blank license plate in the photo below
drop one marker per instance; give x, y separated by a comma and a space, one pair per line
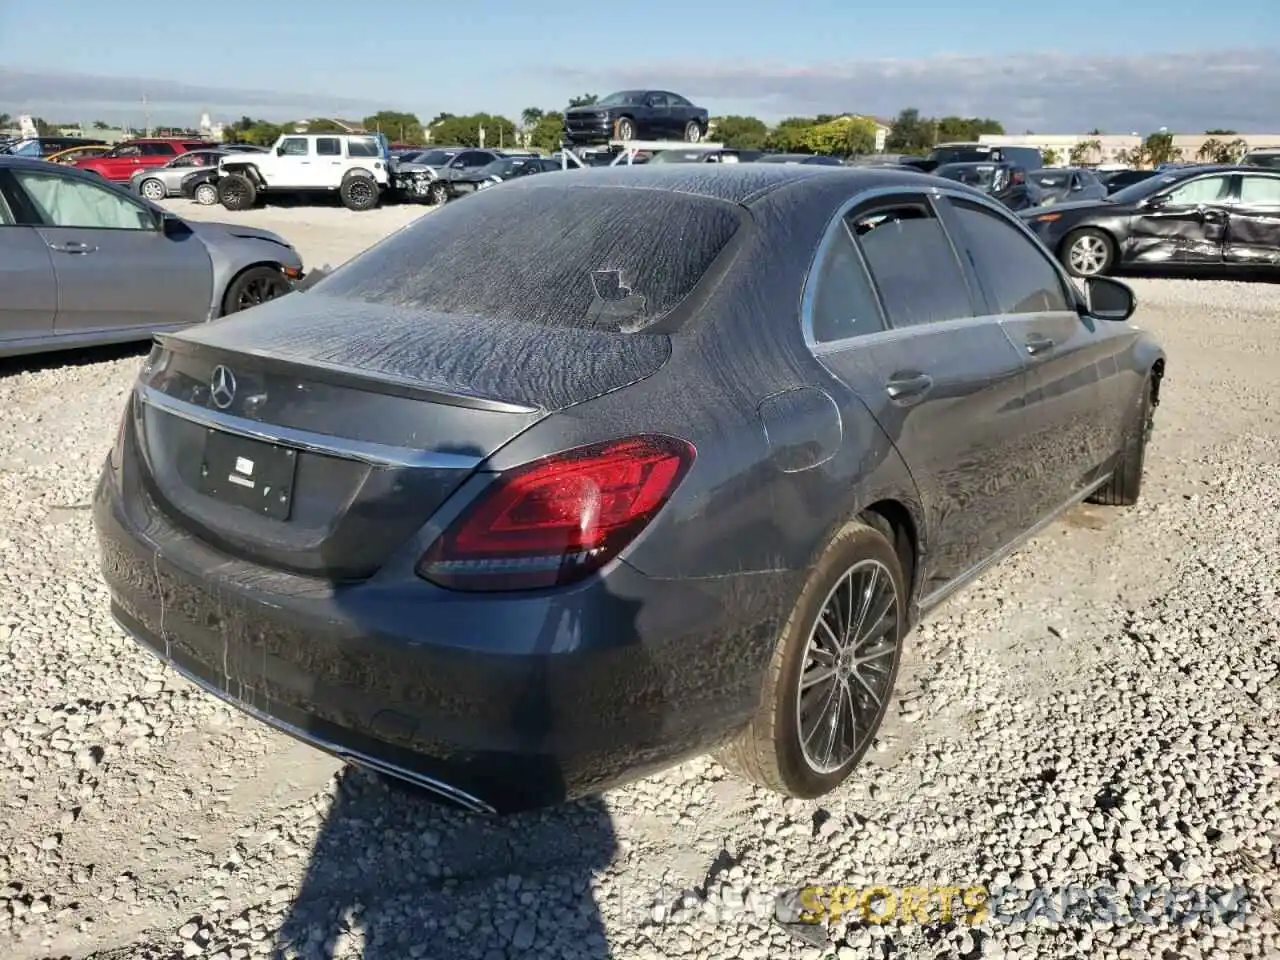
249, 473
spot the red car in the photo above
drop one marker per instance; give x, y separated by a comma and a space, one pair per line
125, 159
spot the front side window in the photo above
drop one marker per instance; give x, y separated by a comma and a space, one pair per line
158, 150
72, 202
126, 150
296, 147
912, 264
1017, 275
1204, 190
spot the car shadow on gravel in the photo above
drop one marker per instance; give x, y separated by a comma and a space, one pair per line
396, 874
79, 357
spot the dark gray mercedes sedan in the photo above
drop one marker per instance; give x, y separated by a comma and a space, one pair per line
601, 470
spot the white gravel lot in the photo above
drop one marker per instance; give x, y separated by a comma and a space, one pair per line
1099, 711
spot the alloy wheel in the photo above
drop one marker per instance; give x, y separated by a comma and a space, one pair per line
360, 192
1088, 255
153, 190
260, 290
848, 667
206, 195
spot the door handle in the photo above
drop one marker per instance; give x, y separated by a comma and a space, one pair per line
908, 386
72, 246
1038, 344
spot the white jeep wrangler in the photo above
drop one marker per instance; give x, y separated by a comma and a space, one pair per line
355, 165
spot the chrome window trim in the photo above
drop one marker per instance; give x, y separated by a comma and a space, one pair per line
374, 454
932, 193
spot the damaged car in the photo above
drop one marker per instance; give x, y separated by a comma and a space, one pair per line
1220, 217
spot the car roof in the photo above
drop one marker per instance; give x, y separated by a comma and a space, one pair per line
741, 183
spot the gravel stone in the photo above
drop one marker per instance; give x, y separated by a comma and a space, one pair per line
1098, 711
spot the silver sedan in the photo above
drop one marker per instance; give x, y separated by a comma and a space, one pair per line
82, 262
157, 183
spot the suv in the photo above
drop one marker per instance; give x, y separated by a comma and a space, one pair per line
122, 161
357, 166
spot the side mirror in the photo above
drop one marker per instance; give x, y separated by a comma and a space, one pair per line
1109, 299
1158, 201
279, 151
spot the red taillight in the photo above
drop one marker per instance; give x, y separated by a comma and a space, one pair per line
560, 518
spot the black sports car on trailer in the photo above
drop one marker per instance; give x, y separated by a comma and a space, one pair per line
636, 115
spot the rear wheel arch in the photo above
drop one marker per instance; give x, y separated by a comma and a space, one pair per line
894, 519
249, 170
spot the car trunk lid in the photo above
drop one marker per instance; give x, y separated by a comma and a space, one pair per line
318, 434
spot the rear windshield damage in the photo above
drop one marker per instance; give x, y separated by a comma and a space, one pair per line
602, 258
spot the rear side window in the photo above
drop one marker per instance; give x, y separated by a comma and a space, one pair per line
1262, 191
328, 147
844, 303
912, 264
555, 256
1016, 274
362, 147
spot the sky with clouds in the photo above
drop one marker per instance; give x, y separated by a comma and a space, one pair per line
1182, 65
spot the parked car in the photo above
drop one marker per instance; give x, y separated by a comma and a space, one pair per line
431, 176
72, 154
1002, 181
1119, 179
85, 263
636, 115
45, 146
1222, 217
504, 168
1028, 158
357, 167
158, 183
544, 540
1060, 184
702, 155
122, 161
807, 159
1266, 157
200, 186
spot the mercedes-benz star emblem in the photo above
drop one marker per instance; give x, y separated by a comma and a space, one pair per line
222, 388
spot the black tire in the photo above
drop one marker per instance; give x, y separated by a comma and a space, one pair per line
693, 131
237, 192
624, 129
1125, 486
769, 751
254, 286
438, 193
359, 191
206, 194
1100, 257
153, 189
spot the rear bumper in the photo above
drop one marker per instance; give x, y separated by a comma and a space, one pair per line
508, 703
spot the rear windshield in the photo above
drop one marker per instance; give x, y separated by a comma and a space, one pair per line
605, 258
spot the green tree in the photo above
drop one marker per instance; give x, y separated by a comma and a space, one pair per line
1159, 149
840, 137
396, 125
465, 131
742, 133
911, 133
1086, 151
1215, 150
1050, 157
5, 119
101, 125
548, 132
530, 116
965, 128
325, 125
789, 135
1220, 133
585, 100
